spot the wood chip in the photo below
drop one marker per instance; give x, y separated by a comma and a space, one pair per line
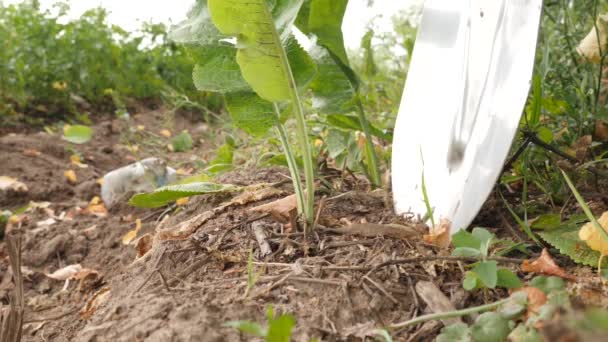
436, 300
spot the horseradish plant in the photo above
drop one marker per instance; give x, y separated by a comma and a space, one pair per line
245, 49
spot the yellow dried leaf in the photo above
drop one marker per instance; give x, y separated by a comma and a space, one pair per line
182, 201
127, 238
70, 176
165, 133
141, 127
596, 41
592, 237
75, 159
96, 300
95, 200
100, 181
30, 152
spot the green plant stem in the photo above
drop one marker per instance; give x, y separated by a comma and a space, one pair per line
301, 131
372, 158
449, 314
293, 166
585, 207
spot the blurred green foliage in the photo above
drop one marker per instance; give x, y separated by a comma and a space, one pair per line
56, 67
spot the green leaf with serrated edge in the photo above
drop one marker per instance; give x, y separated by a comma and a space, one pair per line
490, 327
332, 90
465, 239
466, 252
487, 273
350, 122
182, 142
251, 113
325, 22
566, 240
218, 71
247, 327
198, 28
546, 221
259, 46
167, 194
548, 284
458, 332
507, 279
77, 134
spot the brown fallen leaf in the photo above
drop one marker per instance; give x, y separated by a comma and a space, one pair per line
184, 229
144, 244
88, 279
283, 210
594, 239
536, 299
65, 273
96, 300
439, 235
601, 130
545, 265
9, 183
596, 41
70, 176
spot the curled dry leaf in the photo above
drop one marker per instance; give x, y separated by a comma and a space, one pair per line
70, 176
12, 184
593, 238
545, 265
596, 41
439, 235
536, 299
283, 210
65, 273
144, 244
132, 234
96, 300
88, 279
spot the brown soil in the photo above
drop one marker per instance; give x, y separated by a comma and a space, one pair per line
186, 290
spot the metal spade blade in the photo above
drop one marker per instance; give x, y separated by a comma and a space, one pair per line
466, 87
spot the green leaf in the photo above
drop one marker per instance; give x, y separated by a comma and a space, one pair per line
197, 28
523, 333
487, 273
182, 142
465, 239
77, 134
279, 330
217, 70
466, 252
506, 278
260, 53
332, 90
515, 307
485, 239
545, 134
546, 221
382, 334
566, 240
471, 281
352, 123
167, 194
223, 158
251, 113
490, 327
548, 284
337, 143
247, 327
458, 332
325, 22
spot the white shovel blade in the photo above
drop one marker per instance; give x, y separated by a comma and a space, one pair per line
466, 88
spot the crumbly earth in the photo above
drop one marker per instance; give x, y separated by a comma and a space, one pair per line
187, 289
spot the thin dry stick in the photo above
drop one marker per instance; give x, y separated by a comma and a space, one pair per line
382, 289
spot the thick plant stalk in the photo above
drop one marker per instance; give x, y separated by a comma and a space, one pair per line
370, 152
301, 130
293, 167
